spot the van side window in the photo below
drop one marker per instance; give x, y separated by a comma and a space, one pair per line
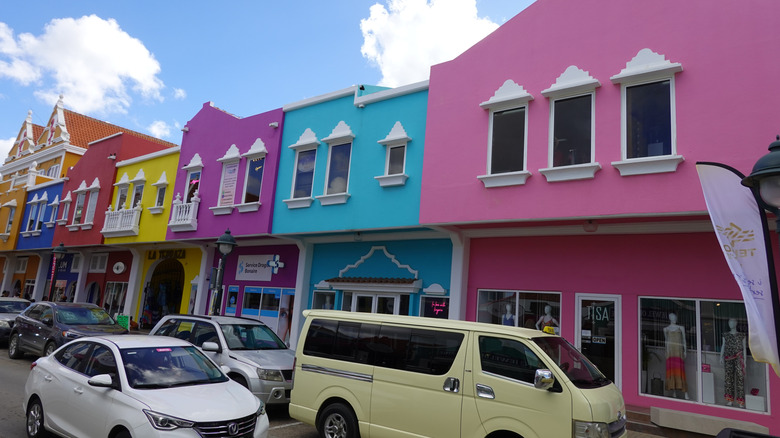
402, 348
508, 358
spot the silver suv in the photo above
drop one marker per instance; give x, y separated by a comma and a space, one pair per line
257, 358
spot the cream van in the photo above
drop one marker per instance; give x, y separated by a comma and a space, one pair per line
371, 375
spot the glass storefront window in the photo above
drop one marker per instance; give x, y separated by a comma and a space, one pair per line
537, 310
721, 372
323, 300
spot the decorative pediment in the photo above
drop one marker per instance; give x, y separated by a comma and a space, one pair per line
572, 81
645, 66
342, 133
396, 136
232, 154
139, 177
124, 181
195, 163
307, 140
257, 150
362, 275
508, 95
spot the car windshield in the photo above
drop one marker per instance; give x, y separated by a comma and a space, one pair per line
581, 372
83, 316
167, 367
13, 306
251, 337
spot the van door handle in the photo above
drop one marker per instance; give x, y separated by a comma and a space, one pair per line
485, 391
451, 384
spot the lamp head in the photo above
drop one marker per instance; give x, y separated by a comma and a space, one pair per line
59, 250
765, 177
226, 243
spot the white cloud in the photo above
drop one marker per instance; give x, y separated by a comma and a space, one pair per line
159, 129
5, 146
179, 94
409, 36
92, 61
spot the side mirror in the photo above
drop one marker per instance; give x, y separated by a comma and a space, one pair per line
211, 346
102, 381
543, 379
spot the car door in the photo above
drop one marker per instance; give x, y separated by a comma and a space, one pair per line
44, 328
59, 381
91, 406
504, 392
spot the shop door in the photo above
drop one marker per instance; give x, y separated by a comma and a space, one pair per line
598, 332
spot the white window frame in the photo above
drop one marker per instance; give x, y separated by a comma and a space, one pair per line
256, 152
81, 200
572, 83
21, 265
91, 205
122, 190
231, 161
510, 96
53, 171
54, 207
10, 222
75, 264
396, 138
340, 136
307, 142
65, 209
194, 166
98, 262
29, 226
162, 187
42, 203
645, 68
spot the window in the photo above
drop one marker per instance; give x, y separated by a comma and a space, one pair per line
507, 136
537, 310
41, 215
75, 263
121, 198
193, 184
648, 115
33, 214
138, 192
339, 157
54, 206
10, 223
21, 265
679, 334
98, 262
508, 358
74, 356
79, 210
65, 209
114, 302
228, 182
396, 304
304, 173
101, 361
29, 288
91, 204
159, 198
403, 348
395, 157
253, 182
572, 134
53, 171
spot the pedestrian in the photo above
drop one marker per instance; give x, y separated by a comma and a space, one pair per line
5, 293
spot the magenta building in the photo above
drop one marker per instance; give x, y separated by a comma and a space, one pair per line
562, 148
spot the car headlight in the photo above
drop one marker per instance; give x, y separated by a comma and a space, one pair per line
272, 375
260, 410
166, 422
584, 429
67, 334
4, 324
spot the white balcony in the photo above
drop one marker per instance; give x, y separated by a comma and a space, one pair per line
184, 215
122, 223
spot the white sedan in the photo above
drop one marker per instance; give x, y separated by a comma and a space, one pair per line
137, 386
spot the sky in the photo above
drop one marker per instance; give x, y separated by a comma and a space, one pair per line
150, 65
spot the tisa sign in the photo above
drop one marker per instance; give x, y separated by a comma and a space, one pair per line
257, 267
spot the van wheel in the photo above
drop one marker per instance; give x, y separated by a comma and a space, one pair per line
338, 421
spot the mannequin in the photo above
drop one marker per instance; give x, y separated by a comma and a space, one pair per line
732, 356
547, 320
676, 350
509, 317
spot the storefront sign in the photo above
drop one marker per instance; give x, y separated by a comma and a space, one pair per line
254, 267
167, 254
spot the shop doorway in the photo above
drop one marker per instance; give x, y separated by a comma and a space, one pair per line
598, 332
93, 293
163, 293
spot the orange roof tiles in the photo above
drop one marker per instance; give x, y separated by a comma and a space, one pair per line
84, 130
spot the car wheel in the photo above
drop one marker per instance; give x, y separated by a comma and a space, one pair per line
35, 427
338, 421
14, 352
49, 349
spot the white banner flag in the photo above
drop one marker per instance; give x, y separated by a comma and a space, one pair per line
740, 226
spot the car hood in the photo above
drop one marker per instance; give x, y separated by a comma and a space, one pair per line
8, 316
270, 359
98, 329
212, 402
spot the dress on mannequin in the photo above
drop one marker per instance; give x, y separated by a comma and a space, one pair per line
547, 320
509, 317
732, 356
676, 351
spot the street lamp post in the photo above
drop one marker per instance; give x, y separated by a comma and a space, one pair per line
57, 254
764, 181
225, 245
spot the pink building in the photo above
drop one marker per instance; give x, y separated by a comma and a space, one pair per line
562, 148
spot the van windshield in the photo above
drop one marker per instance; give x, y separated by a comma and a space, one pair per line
582, 373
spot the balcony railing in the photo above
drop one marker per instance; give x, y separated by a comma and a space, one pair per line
122, 223
184, 215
